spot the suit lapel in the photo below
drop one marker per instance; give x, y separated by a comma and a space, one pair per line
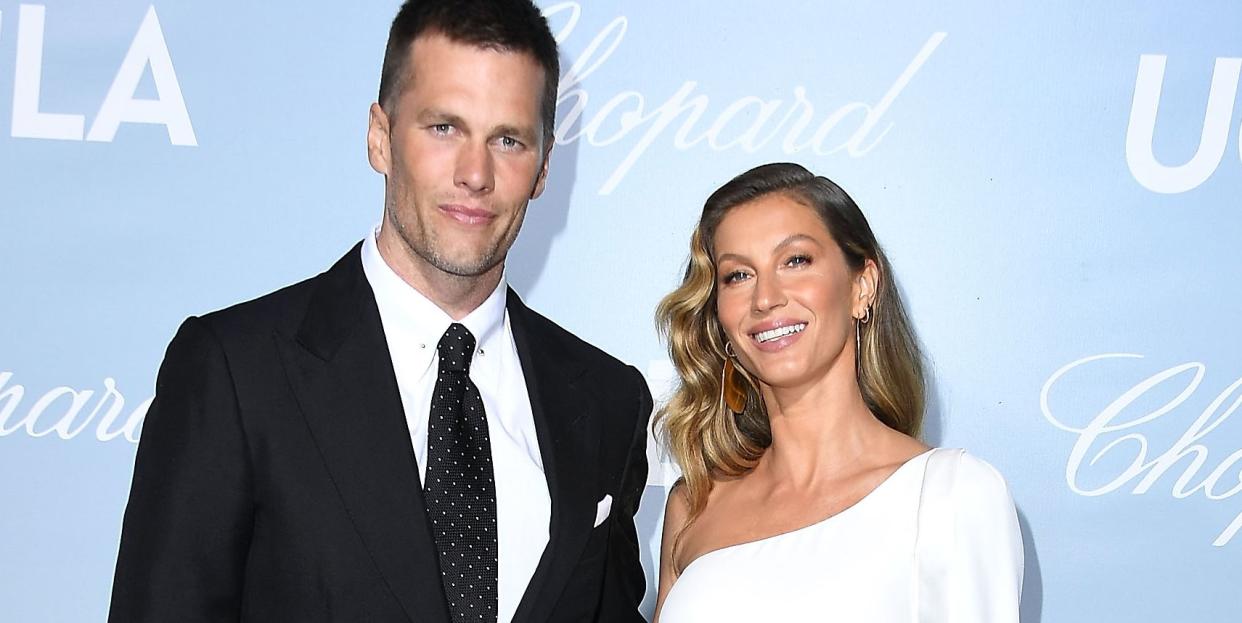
341, 373
568, 437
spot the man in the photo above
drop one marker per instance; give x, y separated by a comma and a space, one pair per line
400, 438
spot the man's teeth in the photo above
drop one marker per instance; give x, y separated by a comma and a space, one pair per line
772, 334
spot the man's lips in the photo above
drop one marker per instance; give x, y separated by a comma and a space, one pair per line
466, 215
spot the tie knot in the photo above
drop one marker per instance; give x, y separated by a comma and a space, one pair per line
456, 348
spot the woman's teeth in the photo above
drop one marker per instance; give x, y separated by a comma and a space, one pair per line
779, 332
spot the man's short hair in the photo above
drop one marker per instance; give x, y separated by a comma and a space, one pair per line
505, 25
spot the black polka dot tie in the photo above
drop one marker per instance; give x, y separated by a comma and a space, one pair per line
459, 486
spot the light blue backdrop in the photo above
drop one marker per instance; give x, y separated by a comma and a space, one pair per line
1057, 185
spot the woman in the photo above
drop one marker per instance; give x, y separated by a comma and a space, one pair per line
806, 494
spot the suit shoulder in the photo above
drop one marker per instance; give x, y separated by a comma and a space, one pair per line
285, 308
594, 356
282, 308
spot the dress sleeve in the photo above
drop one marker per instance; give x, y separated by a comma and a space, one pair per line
985, 565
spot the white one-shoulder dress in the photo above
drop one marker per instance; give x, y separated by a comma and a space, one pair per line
937, 542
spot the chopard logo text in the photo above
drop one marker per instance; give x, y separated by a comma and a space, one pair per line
67, 412
749, 123
1116, 435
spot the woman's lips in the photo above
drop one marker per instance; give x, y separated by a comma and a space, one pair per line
779, 342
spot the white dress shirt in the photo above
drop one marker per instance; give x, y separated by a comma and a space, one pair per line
413, 326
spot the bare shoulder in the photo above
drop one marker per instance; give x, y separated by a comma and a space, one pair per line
723, 519
906, 446
897, 450
677, 508
676, 514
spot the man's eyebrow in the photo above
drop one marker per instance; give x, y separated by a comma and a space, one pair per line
428, 115
527, 134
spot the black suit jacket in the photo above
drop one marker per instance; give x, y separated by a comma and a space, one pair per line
275, 479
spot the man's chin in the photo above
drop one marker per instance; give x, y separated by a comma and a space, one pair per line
466, 266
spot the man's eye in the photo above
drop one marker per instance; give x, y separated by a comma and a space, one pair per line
442, 128
508, 142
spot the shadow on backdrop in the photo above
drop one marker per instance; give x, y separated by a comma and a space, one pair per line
649, 521
1032, 609
546, 217
932, 432
933, 411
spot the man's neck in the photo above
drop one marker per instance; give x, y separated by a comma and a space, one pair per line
457, 295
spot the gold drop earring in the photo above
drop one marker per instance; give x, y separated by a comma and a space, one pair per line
731, 392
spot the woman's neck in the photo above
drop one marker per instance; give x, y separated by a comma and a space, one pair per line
819, 431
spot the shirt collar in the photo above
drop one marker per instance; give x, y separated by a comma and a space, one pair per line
412, 317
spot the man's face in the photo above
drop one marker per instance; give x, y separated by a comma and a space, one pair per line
462, 154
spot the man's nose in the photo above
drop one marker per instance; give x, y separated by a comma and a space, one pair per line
475, 169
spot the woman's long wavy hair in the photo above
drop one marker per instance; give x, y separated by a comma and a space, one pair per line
707, 439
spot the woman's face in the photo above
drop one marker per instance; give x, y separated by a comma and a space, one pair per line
786, 298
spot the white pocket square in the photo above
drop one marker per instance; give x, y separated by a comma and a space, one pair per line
602, 509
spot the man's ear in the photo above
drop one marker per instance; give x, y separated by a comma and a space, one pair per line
379, 149
542, 178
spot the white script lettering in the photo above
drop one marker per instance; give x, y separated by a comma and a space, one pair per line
629, 111
70, 421
1113, 429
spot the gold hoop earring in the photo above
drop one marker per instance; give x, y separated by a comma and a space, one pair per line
858, 323
732, 395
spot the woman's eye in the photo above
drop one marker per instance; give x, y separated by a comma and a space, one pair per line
733, 277
798, 260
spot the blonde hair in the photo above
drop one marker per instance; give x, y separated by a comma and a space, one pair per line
707, 439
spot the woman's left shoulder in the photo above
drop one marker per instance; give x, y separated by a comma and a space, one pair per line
975, 481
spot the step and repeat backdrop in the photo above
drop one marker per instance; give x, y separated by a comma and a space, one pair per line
1059, 187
